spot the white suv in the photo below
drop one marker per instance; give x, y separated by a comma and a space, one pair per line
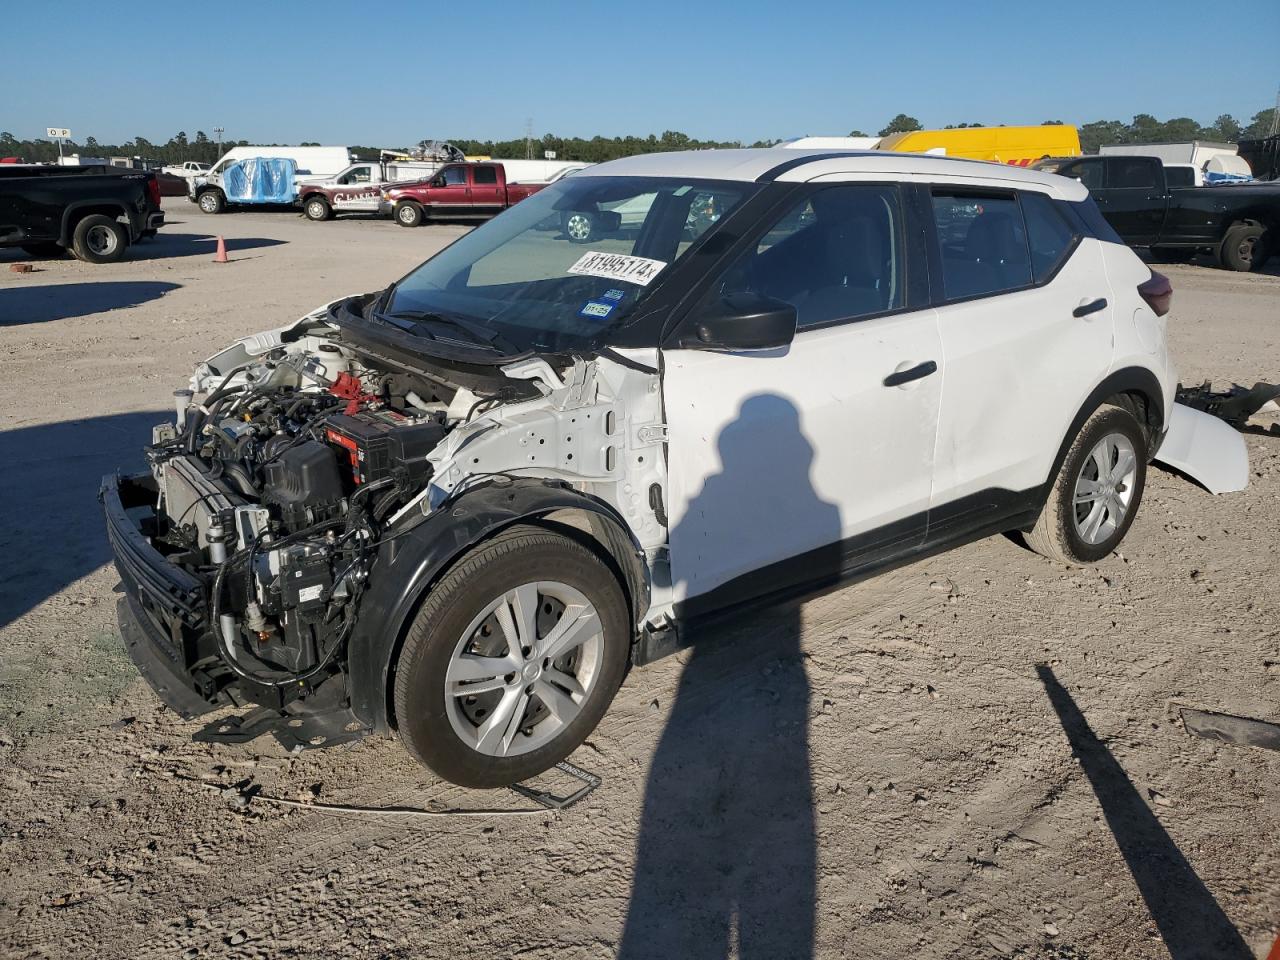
456, 510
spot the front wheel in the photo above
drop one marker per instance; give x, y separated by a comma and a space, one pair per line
1097, 491
317, 208
1243, 247
211, 201
99, 239
408, 214
512, 660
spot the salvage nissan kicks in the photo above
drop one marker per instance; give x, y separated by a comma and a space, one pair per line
458, 509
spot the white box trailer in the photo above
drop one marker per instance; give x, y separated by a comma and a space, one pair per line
1206, 156
537, 171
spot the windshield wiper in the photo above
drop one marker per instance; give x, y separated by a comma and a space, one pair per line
479, 333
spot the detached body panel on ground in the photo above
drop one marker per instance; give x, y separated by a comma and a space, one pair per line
457, 508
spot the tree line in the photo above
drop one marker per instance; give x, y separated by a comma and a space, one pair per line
1144, 128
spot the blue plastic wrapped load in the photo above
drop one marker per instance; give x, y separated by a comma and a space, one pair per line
260, 180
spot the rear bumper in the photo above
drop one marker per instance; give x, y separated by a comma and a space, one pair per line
155, 220
163, 614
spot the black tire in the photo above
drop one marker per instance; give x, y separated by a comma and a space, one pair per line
1172, 254
1057, 534
212, 202
317, 208
100, 239
579, 226
47, 250
519, 555
408, 214
1243, 248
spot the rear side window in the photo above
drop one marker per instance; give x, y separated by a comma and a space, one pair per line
1049, 236
486, 175
983, 244
1130, 172
1180, 176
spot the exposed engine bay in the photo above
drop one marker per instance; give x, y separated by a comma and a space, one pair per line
297, 454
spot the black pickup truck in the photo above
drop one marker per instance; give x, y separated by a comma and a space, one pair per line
1239, 223
96, 212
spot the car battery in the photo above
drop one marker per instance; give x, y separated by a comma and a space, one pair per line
384, 443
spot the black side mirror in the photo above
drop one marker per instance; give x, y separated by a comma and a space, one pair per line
608, 221
742, 321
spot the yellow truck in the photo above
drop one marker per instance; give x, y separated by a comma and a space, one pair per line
1020, 146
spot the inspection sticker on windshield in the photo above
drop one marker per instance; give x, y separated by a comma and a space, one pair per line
617, 266
597, 309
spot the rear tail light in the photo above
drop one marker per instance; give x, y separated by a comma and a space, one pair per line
1158, 292
153, 189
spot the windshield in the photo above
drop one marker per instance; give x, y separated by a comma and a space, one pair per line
560, 269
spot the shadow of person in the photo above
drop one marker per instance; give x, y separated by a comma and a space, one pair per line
726, 855
1191, 924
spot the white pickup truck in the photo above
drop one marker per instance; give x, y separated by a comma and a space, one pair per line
191, 168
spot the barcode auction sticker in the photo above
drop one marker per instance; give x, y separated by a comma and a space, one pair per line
617, 266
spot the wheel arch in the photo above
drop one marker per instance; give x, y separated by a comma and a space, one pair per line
408, 566
1136, 388
75, 212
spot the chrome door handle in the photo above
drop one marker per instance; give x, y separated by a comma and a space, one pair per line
1087, 308
920, 370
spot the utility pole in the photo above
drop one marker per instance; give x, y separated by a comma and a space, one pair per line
1275, 116
217, 132
528, 139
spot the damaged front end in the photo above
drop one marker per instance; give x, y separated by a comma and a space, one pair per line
298, 461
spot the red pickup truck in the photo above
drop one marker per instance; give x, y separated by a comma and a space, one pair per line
456, 191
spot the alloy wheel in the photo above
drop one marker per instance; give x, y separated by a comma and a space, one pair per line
1104, 488
523, 668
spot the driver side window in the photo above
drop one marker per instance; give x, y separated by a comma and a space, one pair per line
835, 256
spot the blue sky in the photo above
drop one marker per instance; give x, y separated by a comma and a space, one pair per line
396, 72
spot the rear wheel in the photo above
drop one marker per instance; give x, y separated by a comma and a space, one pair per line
211, 201
1097, 491
1243, 248
99, 239
512, 660
408, 214
317, 208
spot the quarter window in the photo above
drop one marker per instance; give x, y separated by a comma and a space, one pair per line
835, 256
983, 244
1049, 235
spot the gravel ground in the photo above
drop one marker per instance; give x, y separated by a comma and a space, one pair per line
977, 755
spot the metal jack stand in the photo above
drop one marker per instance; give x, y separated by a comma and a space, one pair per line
550, 800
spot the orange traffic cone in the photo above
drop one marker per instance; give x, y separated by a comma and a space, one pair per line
221, 255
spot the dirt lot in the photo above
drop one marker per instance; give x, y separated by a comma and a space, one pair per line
973, 756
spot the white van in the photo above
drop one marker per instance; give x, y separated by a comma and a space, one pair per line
314, 163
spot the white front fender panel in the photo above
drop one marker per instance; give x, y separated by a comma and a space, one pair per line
1206, 449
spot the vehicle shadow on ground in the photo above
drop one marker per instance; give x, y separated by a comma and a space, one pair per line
727, 850
1191, 924
62, 301
51, 527
169, 246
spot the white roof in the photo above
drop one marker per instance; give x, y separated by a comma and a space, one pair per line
793, 166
